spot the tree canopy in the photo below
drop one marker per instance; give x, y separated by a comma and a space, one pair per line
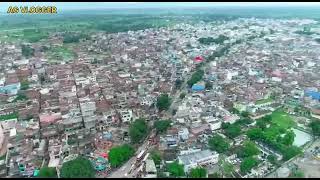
156, 157
120, 154
175, 169
24, 85
248, 149
162, 125
255, 133
182, 95
27, 51
218, 143
247, 164
138, 130
315, 127
208, 85
178, 83
196, 76
163, 102
80, 167
48, 172
198, 172
232, 130
288, 138
209, 40
73, 38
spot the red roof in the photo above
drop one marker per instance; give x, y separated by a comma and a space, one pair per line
198, 59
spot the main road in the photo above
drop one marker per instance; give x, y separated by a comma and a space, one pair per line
123, 171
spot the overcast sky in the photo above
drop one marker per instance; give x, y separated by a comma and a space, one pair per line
105, 5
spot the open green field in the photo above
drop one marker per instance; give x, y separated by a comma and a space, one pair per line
282, 119
9, 116
263, 101
60, 53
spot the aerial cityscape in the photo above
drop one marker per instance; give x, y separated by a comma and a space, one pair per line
155, 90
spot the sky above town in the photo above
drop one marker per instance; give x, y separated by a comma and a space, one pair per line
111, 5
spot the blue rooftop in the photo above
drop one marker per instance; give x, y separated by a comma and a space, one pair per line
198, 87
313, 94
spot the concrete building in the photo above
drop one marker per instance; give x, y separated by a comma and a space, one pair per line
202, 158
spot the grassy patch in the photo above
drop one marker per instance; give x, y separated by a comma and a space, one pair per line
62, 53
9, 116
3, 157
282, 119
263, 101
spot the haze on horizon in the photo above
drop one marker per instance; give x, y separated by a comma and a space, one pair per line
62, 6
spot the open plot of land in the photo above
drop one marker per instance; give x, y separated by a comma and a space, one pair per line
263, 101
282, 119
60, 53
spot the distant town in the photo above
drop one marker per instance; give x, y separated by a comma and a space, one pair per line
236, 98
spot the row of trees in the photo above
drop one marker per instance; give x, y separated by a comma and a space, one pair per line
231, 130
209, 40
177, 170
197, 76
120, 154
80, 167
138, 130
272, 137
74, 38
315, 127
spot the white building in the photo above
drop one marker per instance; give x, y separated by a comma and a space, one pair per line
126, 115
201, 158
183, 134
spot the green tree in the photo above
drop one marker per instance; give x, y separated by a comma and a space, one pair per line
48, 172
248, 149
247, 164
267, 118
255, 134
288, 139
218, 143
27, 51
120, 154
261, 124
227, 169
182, 95
156, 157
225, 125
175, 169
198, 172
272, 159
315, 127
297, 174
162, 125
138, 130
245, 114
178, 83
233, 130
234, 110
215, 175
20, 97
24, 85
80, 167
290, 152
197, 76
244, 121
163, 102
209, 85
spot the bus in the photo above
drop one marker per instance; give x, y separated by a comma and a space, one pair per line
140, 155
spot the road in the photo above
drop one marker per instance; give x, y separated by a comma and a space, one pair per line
123, 171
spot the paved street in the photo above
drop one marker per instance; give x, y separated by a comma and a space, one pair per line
123, 171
